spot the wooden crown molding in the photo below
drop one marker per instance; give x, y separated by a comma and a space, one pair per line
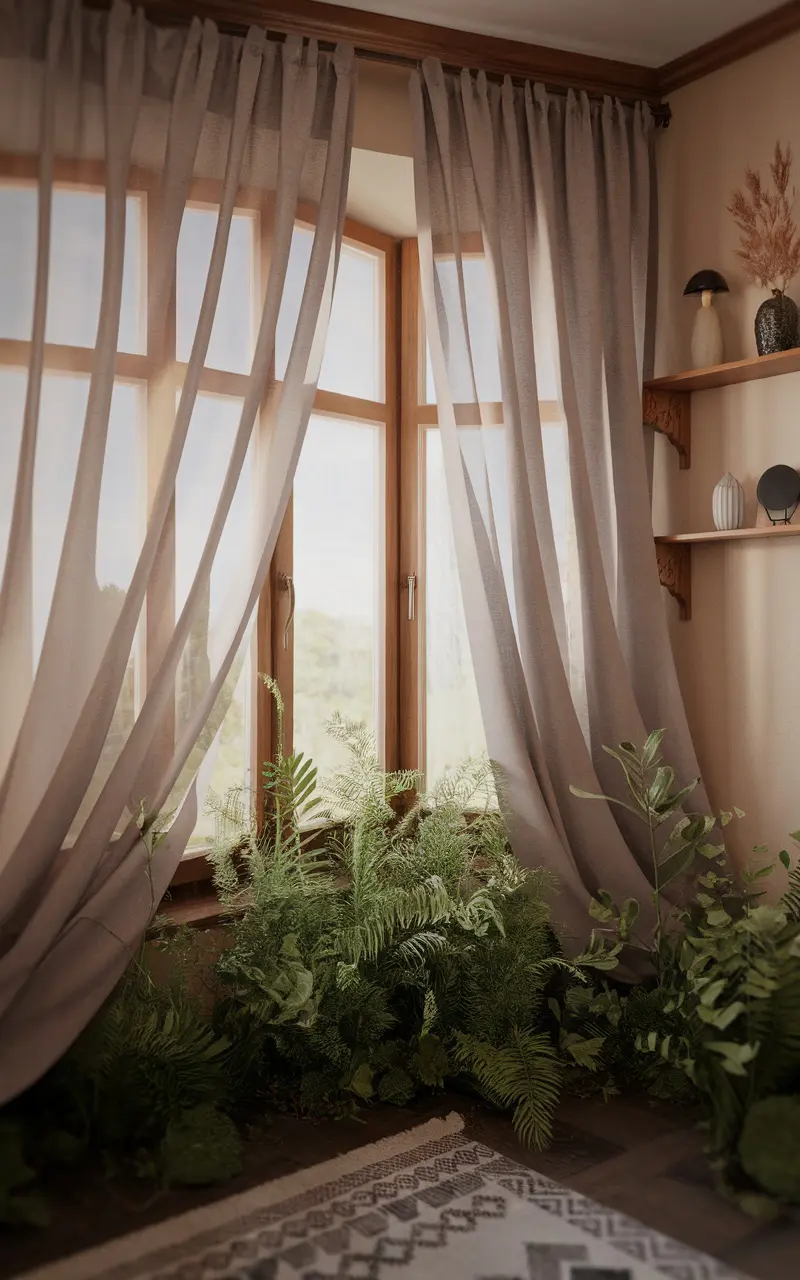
405, 40
402, 39
729, 48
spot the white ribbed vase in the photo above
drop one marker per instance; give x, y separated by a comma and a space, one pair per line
728, 503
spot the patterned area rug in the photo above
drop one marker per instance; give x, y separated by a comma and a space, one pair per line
428, 1203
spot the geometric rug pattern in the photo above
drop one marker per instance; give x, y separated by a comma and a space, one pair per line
431, 1204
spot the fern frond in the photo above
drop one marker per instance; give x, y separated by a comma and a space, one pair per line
791, 898
149, 1053
420, 947
469, 788
524, 1073
361, 791
774, 1024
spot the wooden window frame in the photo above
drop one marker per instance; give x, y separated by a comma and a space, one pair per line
271, 656
160, 374
385, 413
404, 414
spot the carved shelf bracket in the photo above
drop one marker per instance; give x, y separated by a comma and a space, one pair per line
670, 412
675, 573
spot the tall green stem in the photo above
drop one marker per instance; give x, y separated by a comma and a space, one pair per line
656, 890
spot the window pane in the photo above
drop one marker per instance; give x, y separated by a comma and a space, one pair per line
353, 363
454, 728
17, 260
198, 485
120, 518
296, 272
233, 331
453, 721
76, 267
197, 490
482, 327
13, 383
61, 421
353, 360
338, 635
482, 332
231, 769
556, 465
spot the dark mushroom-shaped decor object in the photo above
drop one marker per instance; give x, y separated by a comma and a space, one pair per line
707, 334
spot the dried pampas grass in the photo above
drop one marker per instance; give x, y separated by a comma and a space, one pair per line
770, 247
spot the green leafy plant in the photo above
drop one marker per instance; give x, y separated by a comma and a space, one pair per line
150, 1055
721, 1010
769, 1146
398, 948
791, 898
410, 948
201, 1146
524, 1074
654, 797
20, 1205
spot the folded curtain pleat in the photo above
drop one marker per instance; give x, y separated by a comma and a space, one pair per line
552, 193
84, 855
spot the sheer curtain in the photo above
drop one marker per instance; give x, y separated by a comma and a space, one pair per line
549, 196
150, 181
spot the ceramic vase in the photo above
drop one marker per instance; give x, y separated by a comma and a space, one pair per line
706, 335
776, 325
728, 503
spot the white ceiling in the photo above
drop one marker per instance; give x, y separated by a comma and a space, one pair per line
650, 32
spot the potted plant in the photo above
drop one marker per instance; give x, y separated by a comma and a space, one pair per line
770, 250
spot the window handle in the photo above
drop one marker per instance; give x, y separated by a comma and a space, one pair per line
287, 584
412, 592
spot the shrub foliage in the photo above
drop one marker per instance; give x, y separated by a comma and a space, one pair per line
398, 947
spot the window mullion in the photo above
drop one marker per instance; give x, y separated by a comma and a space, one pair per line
411, 629
392, 612
161, 399
273, 657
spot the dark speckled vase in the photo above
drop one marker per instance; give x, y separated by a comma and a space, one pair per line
776, 325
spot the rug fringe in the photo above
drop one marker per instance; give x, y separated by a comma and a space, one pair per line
122, 1250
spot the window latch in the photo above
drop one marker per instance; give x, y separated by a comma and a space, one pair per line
287, 584
412, 593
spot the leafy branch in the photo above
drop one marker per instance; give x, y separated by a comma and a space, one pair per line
655, 798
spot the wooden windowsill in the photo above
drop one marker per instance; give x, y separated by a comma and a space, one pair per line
199, 910
192, 898
193, 868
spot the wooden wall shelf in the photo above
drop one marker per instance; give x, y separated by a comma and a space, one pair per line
670, 412
667, 402
674, 556
753, 369
734, 535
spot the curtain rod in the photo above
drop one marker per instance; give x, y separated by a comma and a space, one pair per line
177, 13
662, 112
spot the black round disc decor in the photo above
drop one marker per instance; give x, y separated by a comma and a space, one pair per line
778, 492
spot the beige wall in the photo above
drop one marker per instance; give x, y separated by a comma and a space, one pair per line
381, 190
383, 111
739, 658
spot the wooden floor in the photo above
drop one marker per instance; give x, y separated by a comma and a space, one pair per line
642, 1159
